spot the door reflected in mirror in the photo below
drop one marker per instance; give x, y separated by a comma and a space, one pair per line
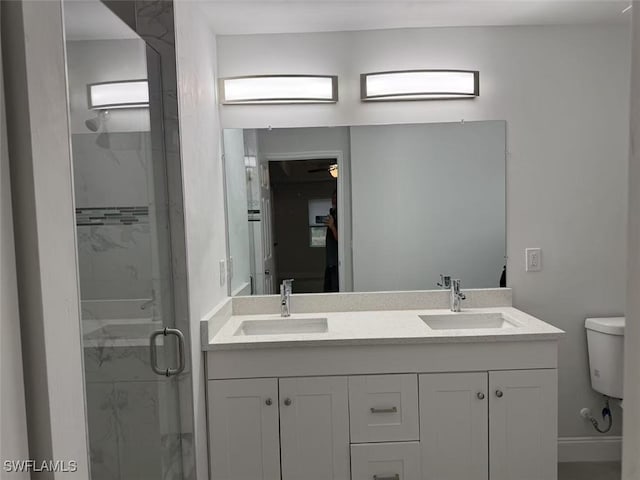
366, 208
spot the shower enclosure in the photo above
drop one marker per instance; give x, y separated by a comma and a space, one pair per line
130, 239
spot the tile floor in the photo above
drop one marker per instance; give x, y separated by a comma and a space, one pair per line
589, 471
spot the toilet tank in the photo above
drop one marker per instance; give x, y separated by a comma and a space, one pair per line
605, 340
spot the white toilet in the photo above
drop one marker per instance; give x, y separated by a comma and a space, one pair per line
605, 340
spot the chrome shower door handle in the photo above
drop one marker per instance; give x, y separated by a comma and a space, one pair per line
153, 350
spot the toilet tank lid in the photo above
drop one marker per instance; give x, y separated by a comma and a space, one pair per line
610, 325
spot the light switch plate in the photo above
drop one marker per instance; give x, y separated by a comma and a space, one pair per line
533, 259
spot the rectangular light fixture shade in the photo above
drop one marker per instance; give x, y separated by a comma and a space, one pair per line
121, 94
278, 89
419, 85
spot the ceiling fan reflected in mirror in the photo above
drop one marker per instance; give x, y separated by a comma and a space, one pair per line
332, 169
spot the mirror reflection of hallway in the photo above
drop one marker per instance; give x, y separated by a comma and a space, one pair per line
304, 245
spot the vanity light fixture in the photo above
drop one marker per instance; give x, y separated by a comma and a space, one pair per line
120, 94
278, 89
419, 85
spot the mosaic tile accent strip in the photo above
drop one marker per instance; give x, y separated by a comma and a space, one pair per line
112, 216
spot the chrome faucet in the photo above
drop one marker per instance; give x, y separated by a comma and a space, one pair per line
445, 282
456, 296
285, 297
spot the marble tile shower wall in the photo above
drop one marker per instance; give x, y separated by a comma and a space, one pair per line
131, 415
131, 410
112, 188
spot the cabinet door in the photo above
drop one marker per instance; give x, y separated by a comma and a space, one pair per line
314, 428
523, 418
454, 426
243, 429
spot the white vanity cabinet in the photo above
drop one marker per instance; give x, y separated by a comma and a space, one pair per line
455, 410
496, 425
267, 429
515, 409
523, 424
454, 425
314, 428
244, 435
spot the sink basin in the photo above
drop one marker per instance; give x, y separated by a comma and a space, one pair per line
456, 321
282, 326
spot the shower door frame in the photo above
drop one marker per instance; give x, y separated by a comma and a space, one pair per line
154, 24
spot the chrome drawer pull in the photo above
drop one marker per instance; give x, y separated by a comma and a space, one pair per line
387, 477
384, 410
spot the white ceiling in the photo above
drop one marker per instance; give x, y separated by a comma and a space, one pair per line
92, 20
228, 17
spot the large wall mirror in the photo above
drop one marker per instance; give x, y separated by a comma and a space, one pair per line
366, 208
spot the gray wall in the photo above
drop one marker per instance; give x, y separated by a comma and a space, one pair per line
13, 421
564, 93
427, 200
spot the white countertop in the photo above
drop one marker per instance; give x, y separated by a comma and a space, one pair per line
382, 327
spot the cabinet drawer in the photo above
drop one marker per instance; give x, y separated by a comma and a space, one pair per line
383, 408
385, 461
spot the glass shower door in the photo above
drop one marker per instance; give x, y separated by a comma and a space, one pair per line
137, 387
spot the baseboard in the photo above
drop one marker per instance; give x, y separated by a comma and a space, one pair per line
589, 449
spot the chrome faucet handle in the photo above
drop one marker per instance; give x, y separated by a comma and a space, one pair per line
445, 281
287, 284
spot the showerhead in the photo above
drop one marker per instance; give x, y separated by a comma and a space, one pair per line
98, 121
98, 124
93, 124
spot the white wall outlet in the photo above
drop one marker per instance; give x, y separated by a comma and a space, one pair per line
534, 259
223, 272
